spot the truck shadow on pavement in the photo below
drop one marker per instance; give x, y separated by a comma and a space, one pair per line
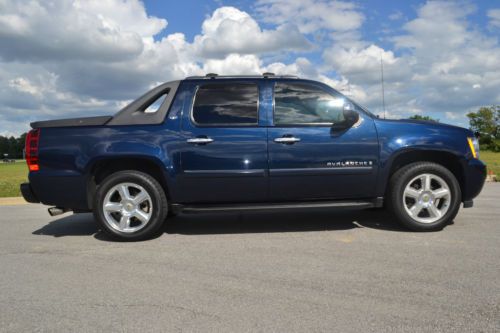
291, 221
238, 223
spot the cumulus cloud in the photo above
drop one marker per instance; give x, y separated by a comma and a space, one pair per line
449, 58
66, 58
71, 58
230, 30
62, 30
444, 65
312, 15
363, 65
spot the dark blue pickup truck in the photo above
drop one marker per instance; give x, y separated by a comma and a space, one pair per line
219, 143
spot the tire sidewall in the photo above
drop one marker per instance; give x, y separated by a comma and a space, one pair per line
401, 180
158, 200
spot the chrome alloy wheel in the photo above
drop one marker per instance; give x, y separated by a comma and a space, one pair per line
426, 198
127, 207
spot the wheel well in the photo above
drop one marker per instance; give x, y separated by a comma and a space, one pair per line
102, 169
448, 160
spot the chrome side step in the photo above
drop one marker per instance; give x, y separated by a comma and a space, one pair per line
357, 204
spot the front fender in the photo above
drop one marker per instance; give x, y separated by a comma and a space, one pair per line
421, 141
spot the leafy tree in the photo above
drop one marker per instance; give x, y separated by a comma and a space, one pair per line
486, 121
427, 118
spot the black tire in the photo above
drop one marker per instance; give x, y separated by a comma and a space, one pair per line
159, 209
400, 180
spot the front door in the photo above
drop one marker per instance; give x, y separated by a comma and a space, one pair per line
308, 158
224, 148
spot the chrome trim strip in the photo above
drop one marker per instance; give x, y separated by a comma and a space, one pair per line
226, 173
321, 171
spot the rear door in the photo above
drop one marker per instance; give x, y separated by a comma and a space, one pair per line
307, 158
224, 152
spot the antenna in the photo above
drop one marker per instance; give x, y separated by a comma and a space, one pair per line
382, 82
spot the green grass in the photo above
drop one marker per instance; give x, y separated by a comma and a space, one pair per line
11, 175
492, 161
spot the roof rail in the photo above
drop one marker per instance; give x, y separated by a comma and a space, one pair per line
264, 75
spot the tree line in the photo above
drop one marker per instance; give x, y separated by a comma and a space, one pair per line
485, 121
12, 146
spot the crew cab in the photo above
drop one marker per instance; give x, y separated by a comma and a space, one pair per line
233, 143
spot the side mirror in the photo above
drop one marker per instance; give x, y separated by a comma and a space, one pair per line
351, 117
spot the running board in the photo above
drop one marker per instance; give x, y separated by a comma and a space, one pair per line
203, 208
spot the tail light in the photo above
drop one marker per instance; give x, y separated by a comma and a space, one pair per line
31, 149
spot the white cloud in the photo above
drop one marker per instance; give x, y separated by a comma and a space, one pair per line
494, 16
363, 65
63, 30
312, 15
444, 65
233, 64
230, 30
396, 16
449, 57
24, 85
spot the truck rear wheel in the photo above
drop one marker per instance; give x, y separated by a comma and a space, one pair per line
130, 205
424, 196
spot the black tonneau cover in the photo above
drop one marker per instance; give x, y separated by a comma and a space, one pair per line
132, 114
72, 122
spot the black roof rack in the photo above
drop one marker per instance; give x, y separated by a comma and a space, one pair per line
264, 75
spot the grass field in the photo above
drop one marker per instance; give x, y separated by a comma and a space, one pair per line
13, 174
492, 160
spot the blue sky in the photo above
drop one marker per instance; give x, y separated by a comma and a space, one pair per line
441, 58
187, 15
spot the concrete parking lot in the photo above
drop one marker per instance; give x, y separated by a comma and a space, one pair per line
293, 271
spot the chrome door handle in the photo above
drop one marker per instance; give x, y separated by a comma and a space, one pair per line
287, 139
200, 141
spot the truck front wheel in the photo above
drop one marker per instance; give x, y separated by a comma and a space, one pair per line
130, 205
424, 196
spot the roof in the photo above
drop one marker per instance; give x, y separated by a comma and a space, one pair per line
212, 76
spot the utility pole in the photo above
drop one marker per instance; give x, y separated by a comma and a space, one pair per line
382, 82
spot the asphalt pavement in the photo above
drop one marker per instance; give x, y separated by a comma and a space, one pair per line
300, 271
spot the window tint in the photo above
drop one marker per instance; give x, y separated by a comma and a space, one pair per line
298, 103
154, 106
226, 104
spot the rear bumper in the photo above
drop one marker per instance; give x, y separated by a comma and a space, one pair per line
59, 188
475, 176
28, 193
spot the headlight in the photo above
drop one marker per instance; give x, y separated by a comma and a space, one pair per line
474, 147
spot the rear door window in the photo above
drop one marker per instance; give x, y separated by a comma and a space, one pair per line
226, 104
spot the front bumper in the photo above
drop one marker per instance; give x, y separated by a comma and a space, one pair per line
28, 194
474, 176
